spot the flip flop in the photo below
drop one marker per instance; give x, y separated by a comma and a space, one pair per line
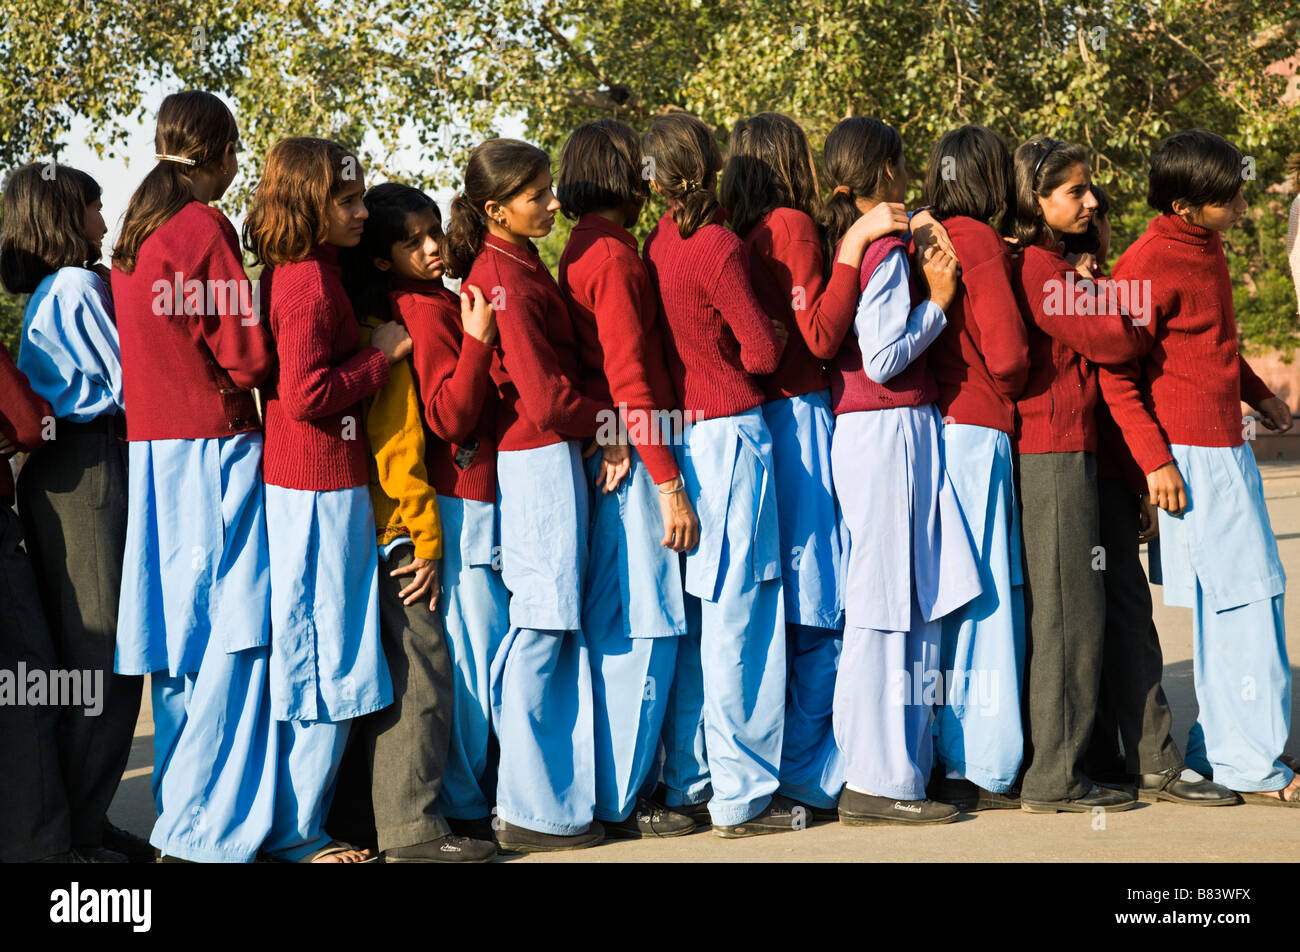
338, 846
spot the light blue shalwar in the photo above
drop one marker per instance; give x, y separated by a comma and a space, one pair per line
812, 769
541, 674
977, 727
476, 614
735, 572
195, 614
685, 760
633, 612
327, 662
1220, 559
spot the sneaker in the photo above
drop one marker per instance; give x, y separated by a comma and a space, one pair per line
969, 797
67, 856
648, 820
819, 814
1098, 798
98, 854
479, 828
445, 849
781, 816
699, 812
864, 809
134, 848
516, 839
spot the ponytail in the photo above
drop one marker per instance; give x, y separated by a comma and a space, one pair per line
685, 160
466, 226
858, 160
496, 172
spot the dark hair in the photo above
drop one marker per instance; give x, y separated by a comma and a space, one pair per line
769, 165
1042, 164
1196, 167
859, 154
685, 160
970, 173
44, 224
288, 215
192, 125
600, 168
1090, 240
389, 205
497, 171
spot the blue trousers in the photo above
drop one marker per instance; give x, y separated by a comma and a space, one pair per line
686, 762
812, 768
307, 770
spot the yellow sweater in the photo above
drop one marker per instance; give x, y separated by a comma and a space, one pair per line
405, 503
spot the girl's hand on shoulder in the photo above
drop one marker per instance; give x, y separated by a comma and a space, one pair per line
1148, 522
1085, 263
477, 316
424, 583
887, 218
1165, 488
1276, 414
681, 524
941, 276
927, 232
392, 339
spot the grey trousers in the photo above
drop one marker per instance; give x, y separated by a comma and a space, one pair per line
72, 499
1065, 618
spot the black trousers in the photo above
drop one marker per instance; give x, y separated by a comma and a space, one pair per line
1065, 613
72, 498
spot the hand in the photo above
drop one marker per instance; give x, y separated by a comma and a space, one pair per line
1148, 522
887, 218
477, 316
590, 450
782, 332
927, 232
615, 463
681, 525
941, 274
424, 583
1166, 488
392, 339
1276, 415
1084, 263
7, 448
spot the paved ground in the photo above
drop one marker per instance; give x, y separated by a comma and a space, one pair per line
1160, 833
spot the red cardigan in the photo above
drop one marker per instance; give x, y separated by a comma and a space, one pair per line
785, 267
981, 359
453, 372
1071, 327
187, 367
614, 315
1190, 380
314, 439
536, 366
22, 415
717, 332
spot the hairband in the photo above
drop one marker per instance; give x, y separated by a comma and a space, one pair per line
164, 157
842, 190
1042, 158
690, 185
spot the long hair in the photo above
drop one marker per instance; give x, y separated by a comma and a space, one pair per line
497, 171
192, 125
600, 169
685, 161
44, 224
859, 156
769, 165
1042, 164
389, 205
970, 173
288, 215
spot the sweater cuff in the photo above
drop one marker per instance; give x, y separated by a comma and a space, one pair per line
475, 350
659, 462
429, 548
1151, 454
375, 368
1253, 390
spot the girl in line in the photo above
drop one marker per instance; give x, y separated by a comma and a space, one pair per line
541, 674
195, 603
634, 608
72, 493
327, 663
887, 468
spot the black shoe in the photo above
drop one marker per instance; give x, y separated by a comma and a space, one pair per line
781, 816
864, 809
134, 848
1098, 798
67, 856
819, 814
445, 849
516, 839
479, 828
1166, 785
699, 812
969, 797
98, 854
648, 820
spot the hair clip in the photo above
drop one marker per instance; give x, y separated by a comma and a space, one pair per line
690, 185
164, 157
842, 190
1042, 158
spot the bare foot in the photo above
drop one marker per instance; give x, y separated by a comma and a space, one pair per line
347, 856
1292, 791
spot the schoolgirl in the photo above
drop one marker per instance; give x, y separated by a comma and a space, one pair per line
541, 674
1218, 554
194, 610
72, 494
1070, 326
909, 560
769, 188
327, 664
404, 746
980, 363
718, 336
633, 607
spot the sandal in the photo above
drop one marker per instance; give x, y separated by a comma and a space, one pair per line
337, 846
1282, 800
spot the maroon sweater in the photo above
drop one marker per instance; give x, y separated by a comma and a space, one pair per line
536, 366
981, 359
21, 416
717, 332
614, 313
785, 267
314, 436
453, 372
189, 360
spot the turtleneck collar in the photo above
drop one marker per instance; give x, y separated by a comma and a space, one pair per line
1173, 227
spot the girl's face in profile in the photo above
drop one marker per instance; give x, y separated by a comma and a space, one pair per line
1216, 217
1070, 206
93, 223
530, 212
345, 214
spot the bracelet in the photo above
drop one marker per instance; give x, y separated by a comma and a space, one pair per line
672, 492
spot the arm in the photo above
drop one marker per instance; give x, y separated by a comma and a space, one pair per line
309, 386
996, 317
1253, 390
75, 330
1122, 394
22, 412
733, 296
239, 341
822, 309
1084, 315
454, 370
892, 333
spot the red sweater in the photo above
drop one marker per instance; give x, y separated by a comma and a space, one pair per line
614, 315
453, 372
22, 414
717, 332
313, 412
536, 367
981, 359
1190, 379
1072, 324
785, 267
189, 361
